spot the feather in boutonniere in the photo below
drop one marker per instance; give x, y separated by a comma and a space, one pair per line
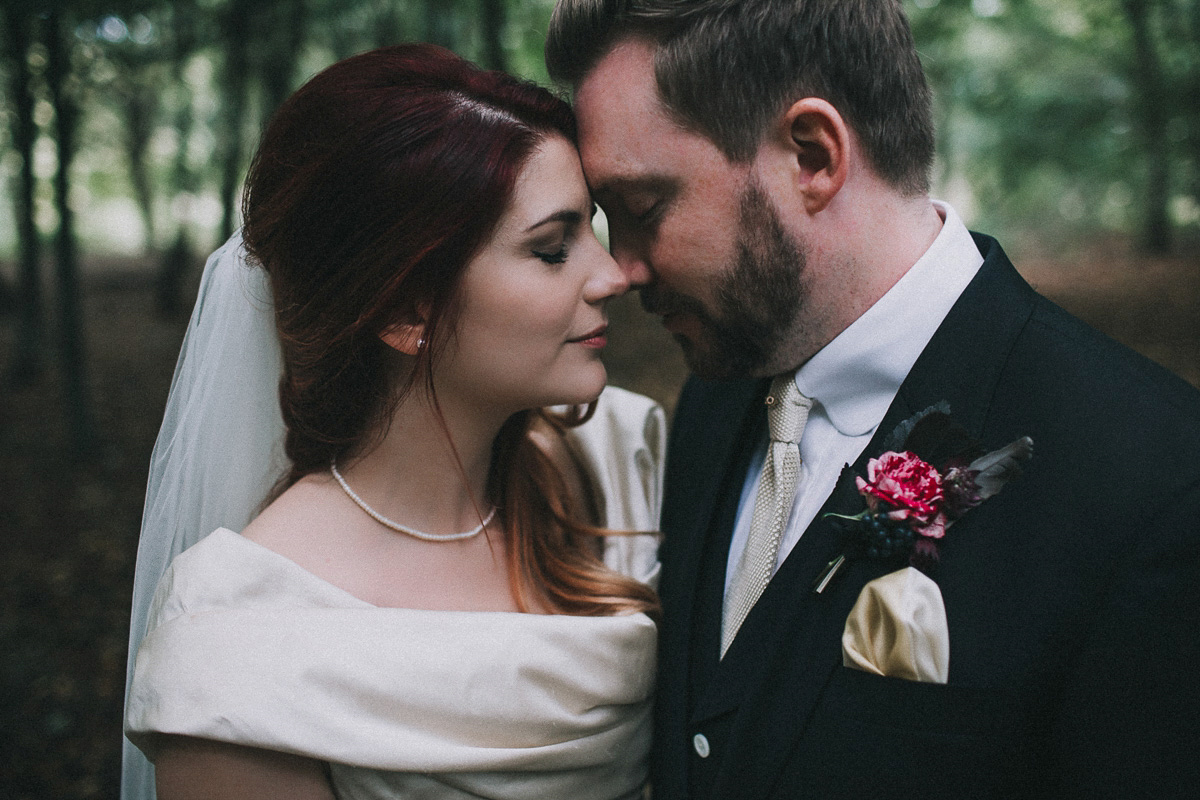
931, 473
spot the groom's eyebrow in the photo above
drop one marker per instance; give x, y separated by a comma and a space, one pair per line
619, 184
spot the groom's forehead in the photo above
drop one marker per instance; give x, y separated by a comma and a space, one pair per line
621, 118
621, 86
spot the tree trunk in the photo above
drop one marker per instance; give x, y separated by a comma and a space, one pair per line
140, 106
1191, 96
284, 24
494, 19
176, 260
1152, 109
172, 268
71, 346
234, 85
389, 28
440, 25
27, 365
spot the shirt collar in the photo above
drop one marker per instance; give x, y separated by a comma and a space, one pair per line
855, 377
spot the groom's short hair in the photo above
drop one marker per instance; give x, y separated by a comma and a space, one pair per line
727, 68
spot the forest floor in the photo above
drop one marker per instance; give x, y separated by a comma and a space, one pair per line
69, 526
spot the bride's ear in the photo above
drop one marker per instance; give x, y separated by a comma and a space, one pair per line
404, 337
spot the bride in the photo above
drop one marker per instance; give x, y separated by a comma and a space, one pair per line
425, 606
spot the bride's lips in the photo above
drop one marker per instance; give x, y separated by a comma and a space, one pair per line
595, 338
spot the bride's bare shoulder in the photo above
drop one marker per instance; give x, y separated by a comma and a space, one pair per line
301, 517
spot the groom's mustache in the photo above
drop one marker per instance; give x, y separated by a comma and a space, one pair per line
664, 302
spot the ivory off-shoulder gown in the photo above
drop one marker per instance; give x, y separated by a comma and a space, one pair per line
244, 646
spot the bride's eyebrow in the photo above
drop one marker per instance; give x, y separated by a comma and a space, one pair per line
567, 215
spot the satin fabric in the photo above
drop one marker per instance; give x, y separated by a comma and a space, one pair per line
244, 646
247, 647
898, 628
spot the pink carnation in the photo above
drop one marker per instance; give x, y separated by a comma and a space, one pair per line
910, 486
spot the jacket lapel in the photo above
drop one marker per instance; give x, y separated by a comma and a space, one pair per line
698, 467
790, 644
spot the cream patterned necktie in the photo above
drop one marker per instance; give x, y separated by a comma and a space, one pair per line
787, 411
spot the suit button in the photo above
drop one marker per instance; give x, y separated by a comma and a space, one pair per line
700, 743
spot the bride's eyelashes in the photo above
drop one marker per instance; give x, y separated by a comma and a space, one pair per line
555, 248
553, 257
552, 245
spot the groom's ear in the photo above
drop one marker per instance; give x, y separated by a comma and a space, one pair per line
817, 142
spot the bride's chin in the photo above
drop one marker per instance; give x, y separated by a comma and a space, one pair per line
582, 392
590, 390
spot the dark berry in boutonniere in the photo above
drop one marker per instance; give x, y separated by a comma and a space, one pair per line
910, 502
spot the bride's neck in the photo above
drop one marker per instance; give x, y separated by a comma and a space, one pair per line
413, 476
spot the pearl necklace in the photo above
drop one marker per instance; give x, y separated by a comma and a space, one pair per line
396, 526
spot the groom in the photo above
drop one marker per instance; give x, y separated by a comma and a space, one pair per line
764, 165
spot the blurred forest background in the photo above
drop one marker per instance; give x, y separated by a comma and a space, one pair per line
1068, 128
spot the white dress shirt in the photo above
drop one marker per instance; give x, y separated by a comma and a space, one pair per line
854, 378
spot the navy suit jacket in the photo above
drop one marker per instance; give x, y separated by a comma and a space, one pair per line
1073, 596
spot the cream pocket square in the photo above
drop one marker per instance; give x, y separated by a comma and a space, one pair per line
898, 628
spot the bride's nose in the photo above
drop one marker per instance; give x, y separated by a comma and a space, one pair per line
607, 279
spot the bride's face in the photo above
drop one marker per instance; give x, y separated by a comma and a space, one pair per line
533, 318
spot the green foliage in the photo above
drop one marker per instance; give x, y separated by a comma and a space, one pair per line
1049, 118
173, 95
1052, 115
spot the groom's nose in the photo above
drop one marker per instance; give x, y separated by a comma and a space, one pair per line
631, 262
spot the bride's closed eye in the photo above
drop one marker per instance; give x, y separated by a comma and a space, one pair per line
552, 244
553, 256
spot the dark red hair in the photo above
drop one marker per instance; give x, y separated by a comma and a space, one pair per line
374, 186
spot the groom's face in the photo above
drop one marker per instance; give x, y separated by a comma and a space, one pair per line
696, 232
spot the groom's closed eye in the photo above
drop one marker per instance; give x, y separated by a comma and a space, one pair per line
635, 197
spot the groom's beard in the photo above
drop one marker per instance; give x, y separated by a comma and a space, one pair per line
758, 297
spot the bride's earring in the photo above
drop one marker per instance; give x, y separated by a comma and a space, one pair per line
405, 337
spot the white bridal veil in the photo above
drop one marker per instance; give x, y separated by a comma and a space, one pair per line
220, 448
